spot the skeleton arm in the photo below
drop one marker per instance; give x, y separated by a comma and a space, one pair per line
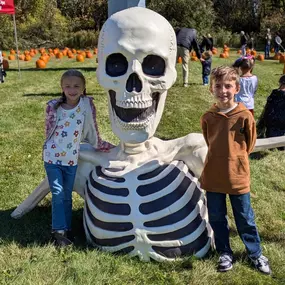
193, 151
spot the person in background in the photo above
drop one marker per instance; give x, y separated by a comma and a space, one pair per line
206, 43
210, 38
272, 120
186, 41
206, 66
230, 133
243, 42
248, 82
70, 119
277, 42
268, 38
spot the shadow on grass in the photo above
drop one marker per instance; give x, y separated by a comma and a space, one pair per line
54, 69
258, 155
34, 228
265, 236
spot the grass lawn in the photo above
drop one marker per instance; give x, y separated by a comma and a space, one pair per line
27, 256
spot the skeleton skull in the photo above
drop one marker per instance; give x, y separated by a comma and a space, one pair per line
136, 65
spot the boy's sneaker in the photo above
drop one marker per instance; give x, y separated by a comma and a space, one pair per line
60, 239
225, 262
261, 264
185, 85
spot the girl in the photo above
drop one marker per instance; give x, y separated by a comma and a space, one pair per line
248, 82
69, 120
272, 119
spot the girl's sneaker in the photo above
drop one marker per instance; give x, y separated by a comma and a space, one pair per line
261, 264
60, 239
225, 262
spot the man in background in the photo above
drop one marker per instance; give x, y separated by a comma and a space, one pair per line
186, 40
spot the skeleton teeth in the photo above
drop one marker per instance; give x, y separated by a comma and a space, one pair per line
134, 125
133, 103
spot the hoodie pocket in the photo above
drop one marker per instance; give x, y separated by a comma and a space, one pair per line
239, 166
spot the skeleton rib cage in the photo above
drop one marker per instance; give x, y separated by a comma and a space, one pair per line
162, 216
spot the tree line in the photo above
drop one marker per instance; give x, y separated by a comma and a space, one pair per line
76, 23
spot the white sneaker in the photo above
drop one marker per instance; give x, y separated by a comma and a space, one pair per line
261, 264
185, 85
225, 262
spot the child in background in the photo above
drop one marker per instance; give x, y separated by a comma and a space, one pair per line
248, 82
206, 66
69, 120
272, 119
230, 133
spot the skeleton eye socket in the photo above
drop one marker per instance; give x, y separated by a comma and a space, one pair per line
153, 65
116, 65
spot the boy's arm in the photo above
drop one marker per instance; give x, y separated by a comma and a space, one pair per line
204, 130
250, 134
101, 144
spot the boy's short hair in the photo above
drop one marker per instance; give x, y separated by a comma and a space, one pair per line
224, 73
207, 54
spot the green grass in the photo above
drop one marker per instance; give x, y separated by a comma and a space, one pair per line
27, 257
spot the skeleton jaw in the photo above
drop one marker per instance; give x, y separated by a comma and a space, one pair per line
133, 113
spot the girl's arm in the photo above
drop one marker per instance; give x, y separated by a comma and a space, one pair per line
101, 144
49, 119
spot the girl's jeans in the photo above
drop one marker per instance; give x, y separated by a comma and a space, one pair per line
61, 181
244, 218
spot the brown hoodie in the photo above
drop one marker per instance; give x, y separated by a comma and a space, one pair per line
230, 138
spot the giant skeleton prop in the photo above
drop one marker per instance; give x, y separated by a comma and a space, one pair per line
143, 197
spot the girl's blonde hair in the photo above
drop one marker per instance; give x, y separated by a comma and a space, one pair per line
224, 73
68, 73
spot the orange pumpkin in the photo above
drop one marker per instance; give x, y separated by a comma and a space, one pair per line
239, 51
70, 55
89, 54
12, 51
179, 60
253, 53
27, 57
260, 57
282, 58
223, 55
40, 64
214, 50
21, 57
11, 57
59, 55
276, 56
80, 58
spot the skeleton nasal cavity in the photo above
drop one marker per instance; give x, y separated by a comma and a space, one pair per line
134, 83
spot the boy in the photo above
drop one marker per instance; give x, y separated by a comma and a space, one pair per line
206, 66
229, 131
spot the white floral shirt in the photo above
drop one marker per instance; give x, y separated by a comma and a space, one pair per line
63, 146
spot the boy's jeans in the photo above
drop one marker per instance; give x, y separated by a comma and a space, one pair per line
205, 79
244, 218
61, 181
